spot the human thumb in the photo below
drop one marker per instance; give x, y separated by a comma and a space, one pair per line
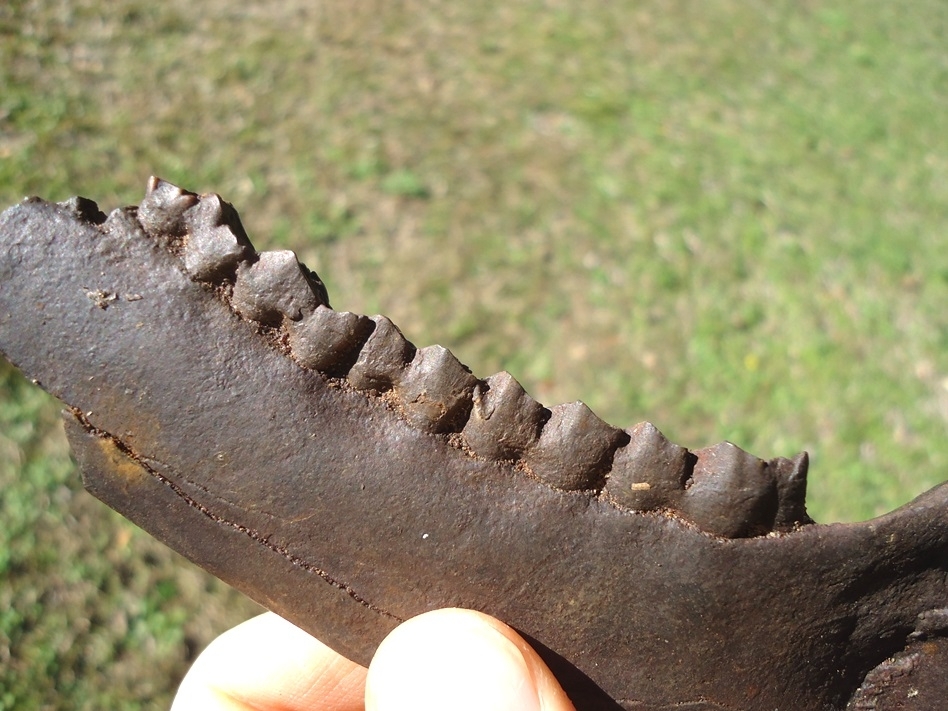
460, 660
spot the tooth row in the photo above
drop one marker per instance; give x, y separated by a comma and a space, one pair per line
723, 489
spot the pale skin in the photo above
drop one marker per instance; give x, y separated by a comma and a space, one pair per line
446, 659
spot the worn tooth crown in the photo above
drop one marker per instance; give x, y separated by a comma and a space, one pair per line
791, 491
435, 390
329, 341
216, 241
505, 421
84, 209
732, 493
575, 448
275, 287
383, 358
650, 471
161, 212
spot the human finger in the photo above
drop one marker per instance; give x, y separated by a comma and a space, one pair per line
267, 663
460, 660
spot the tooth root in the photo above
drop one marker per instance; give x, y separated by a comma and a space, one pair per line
732, 494
435, 390
575, 448
505, 421
329, 341
791, 491
161, 212
84, 209
650, 471
275, 287
383, 358
216, 241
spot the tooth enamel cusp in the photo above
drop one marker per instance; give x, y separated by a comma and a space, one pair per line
575, 448
327, 340
505, 421
216, 242
435, 390
277, 286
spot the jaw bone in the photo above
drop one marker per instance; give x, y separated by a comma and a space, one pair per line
343, 477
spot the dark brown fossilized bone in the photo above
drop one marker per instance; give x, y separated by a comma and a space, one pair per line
324, 465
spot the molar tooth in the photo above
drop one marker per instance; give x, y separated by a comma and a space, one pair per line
329, 341
791, 491
650, 471
277, 286
575, 448
161, 212
505, 420
382, 359
216, 241
84, 209
435, 390
732, 494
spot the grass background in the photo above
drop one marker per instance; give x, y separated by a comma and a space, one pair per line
727, 218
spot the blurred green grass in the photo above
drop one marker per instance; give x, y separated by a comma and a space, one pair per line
726, 218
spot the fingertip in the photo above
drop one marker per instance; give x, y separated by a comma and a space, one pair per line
266, 662
462, 660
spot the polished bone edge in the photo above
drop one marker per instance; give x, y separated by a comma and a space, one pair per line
320, 462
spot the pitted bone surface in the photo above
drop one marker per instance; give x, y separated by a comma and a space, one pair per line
505, 421
330, 508
275, 287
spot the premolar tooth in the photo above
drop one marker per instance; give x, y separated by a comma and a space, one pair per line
575, 448
329, 341
277, 286
84, 209
732, 493
216, 241
382, 359
505, 421
161, 212
791, 491
650, 471
435, 390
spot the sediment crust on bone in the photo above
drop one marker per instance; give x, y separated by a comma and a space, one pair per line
722, 489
